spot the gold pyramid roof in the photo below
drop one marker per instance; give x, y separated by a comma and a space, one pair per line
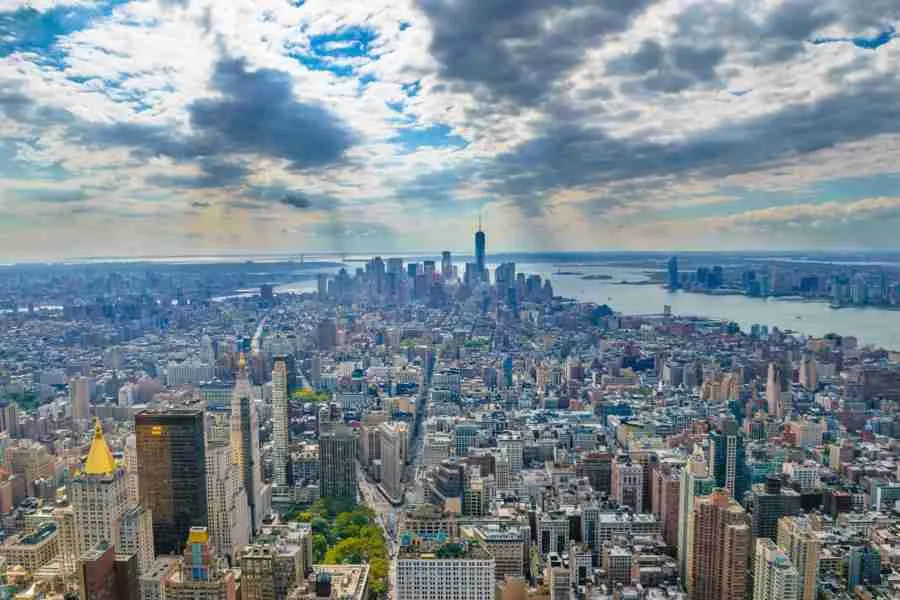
100, 460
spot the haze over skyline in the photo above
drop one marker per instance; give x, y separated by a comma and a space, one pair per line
167, 127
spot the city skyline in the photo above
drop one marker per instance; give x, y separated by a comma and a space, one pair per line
390, 125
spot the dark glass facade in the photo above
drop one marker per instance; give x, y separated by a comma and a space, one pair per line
171, 457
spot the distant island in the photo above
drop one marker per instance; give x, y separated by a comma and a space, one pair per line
568, 273
597, 277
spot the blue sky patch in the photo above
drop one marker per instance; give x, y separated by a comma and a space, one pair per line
435, 136
29, 30
867, 43
330, 51
412, 89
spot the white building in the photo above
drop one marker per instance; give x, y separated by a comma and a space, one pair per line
806, 474
228, 511
281, 452
423, 576
392, 458
98, 495
512, 445
189, 372
775, 577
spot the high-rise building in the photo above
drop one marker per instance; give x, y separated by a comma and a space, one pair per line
270, 571
480, 243
770, 502
775, 386
696, 481
105, 575
245, 444
98, 495
672, 269
201, 574
512, 445
131, 467
628, 484
863, 567
68, 539
809, 373
466, 574
728, 456
559, 579
446, 265
229, 513
281, 455
337, 457
136, 535
802, 544
392, 459
465, 436
80, 396
171, 453
775, 578
721, 547
597, 467
326, 334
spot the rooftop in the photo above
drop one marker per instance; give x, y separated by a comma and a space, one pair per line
347, 581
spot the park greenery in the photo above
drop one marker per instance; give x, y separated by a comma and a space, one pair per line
347, 533
310, 395
27, 401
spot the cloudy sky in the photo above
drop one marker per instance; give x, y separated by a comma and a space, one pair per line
162, 127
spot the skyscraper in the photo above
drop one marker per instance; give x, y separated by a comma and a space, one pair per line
672, 268
80, 396
775, 384
202, 575
480, 241
696, 481
245, 443
627, 480
229, 513
391, 439
775, 578
721, 545
281, 452
770, 502
446, 265
171, 454
271, 571
337, 458
802, 545
98, 495
728, 456
105, 575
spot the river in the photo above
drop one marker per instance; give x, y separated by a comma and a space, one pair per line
874, 326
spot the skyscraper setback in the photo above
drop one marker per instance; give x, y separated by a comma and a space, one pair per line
172, 473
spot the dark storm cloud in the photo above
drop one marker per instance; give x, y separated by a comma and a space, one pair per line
277, 193
295, 200
668, 70
574, 155
258, 113
518, 49
648, 56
